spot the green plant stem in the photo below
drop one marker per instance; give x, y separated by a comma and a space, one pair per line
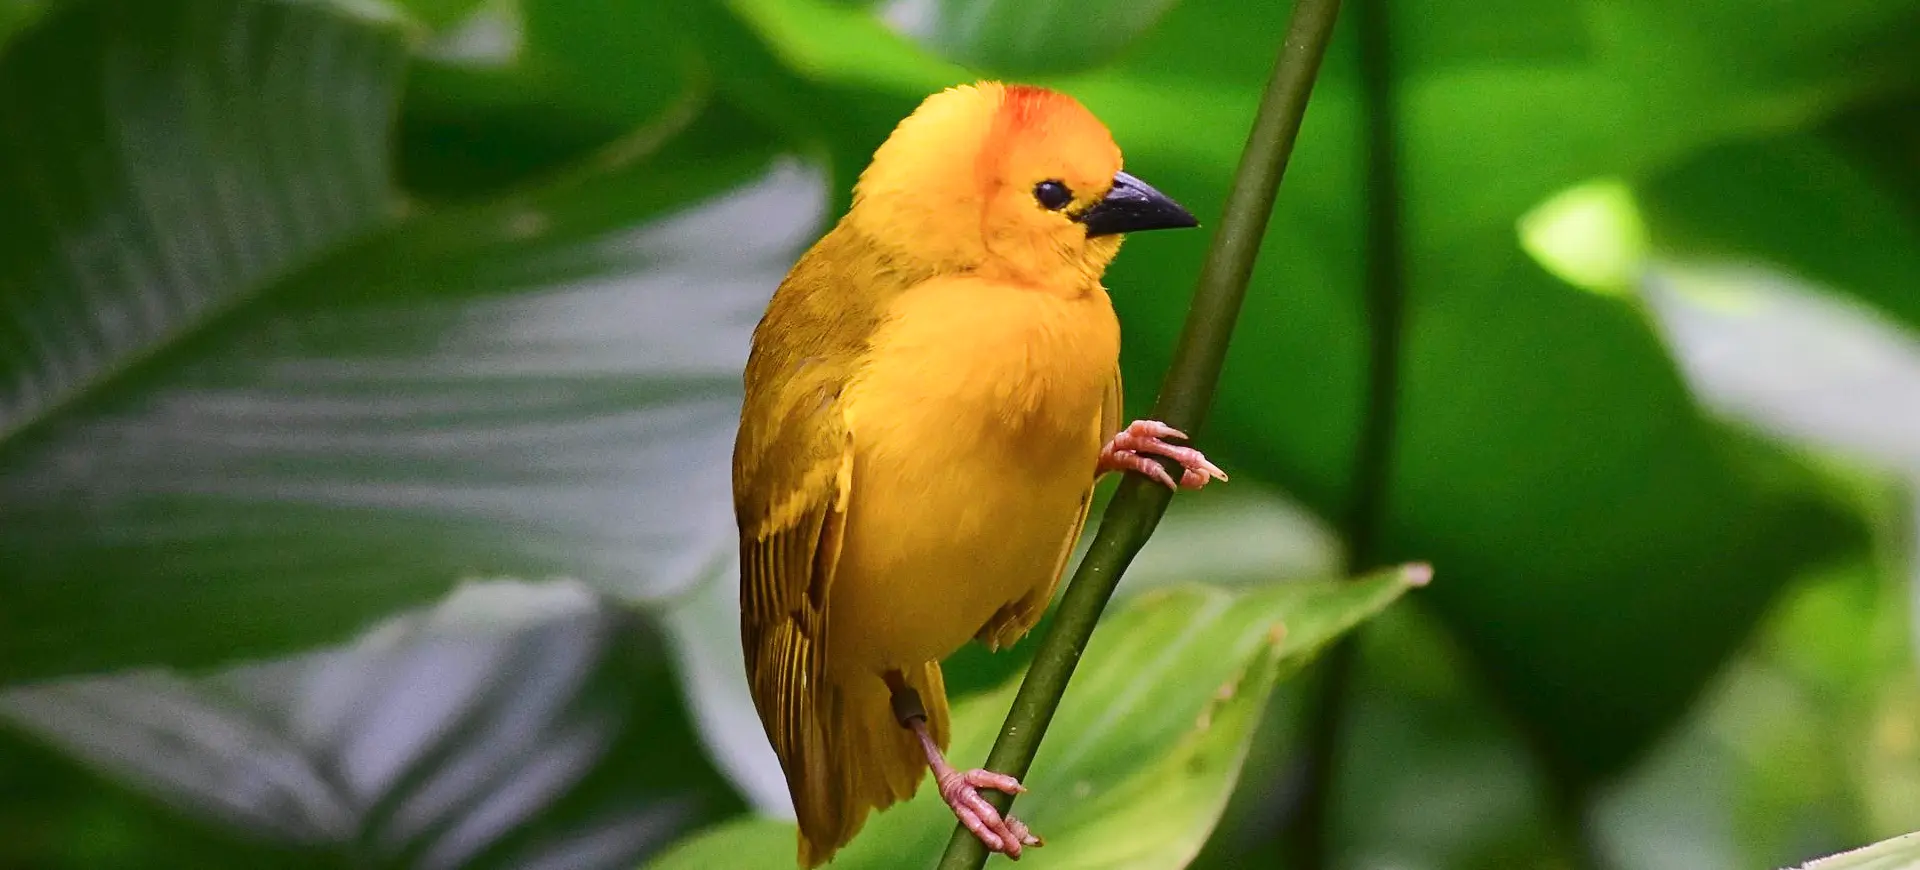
1183, 402
1385, 289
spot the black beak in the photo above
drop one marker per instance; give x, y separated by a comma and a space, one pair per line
1133, 206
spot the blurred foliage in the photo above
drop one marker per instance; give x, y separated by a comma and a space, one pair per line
310, 311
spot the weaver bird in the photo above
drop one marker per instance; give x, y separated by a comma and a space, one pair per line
930, 397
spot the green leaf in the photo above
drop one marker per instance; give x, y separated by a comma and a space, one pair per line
1899, 853
169, 161
1052, 36
233, 428
1147, 744
505, 727
162, 179
514, 388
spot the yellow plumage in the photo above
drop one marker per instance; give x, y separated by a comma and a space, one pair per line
926, 404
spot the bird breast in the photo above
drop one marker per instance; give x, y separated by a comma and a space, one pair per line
983, 364
976, 429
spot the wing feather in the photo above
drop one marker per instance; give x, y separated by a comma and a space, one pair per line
792, 479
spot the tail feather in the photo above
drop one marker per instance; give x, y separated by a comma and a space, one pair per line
859, 760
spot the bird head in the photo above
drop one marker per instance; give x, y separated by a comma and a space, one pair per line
1008, 181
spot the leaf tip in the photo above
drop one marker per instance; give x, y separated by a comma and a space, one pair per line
1416, 574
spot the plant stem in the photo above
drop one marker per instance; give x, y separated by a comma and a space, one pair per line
1385, 288
1183, 402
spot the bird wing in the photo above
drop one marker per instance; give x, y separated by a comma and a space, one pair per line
792, 475
1013, 621
787, 565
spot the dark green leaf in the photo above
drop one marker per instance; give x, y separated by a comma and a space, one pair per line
168, 160
513, 388
214, 458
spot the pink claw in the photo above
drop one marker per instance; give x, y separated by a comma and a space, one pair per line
1134, 447
1006, 835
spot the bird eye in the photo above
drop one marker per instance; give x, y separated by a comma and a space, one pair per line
1052, 195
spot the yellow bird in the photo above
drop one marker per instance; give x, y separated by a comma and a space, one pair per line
930, 397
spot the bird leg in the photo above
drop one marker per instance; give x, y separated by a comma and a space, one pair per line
961, 789
1134, 448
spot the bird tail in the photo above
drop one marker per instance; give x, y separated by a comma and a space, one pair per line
869, 761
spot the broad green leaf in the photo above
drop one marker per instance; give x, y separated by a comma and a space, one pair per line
433, 741
1148, 742
532, 387
231, 432
1048, 36
1899, 853
168, 160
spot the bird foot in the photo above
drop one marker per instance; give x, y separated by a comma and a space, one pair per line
1004, 834
1134, 448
